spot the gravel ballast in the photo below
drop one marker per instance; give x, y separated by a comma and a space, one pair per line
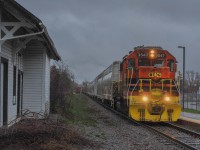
112, 132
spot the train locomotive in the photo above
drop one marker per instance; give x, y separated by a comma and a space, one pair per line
143, 85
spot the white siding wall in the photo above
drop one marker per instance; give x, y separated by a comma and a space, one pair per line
33, 91
47, 84
7, 53
12, 110
35, 65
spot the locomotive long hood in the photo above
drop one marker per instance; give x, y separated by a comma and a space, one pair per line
154, 73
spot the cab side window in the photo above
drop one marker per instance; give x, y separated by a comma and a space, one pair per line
170, 64
131, 64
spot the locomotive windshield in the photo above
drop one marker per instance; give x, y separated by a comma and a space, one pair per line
158, 63
144, 62
148, 62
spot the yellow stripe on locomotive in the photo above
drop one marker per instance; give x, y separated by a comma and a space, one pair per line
155, 109
154, 104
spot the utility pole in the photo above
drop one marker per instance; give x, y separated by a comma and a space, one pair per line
183, 47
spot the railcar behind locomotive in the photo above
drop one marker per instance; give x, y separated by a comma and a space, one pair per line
142, 85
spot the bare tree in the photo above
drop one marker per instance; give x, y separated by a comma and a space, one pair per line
192, 83
61, 86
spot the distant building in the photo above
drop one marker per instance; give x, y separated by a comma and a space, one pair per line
25, 53
79, 89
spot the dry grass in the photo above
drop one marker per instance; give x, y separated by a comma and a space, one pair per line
41, 135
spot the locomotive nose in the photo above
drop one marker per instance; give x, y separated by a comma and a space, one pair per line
156, 109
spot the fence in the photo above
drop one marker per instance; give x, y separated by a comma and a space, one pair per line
191, 101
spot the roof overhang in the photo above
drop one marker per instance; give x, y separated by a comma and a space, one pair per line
36, 22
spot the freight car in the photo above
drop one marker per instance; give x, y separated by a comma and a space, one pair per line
142, 85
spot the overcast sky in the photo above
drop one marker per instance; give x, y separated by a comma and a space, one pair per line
90, 34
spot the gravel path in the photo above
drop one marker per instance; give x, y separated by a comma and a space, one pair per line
114, 133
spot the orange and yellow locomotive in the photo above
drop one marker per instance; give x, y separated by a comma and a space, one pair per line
148, 86
143, 85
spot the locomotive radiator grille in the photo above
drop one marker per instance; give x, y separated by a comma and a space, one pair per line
155, 109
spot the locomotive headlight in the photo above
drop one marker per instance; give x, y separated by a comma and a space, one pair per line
167, 98
145, 98
152, 54
152, 51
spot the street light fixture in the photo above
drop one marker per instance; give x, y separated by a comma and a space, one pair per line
183, 47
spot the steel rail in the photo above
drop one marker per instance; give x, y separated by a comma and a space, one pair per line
143, 124
171, 138
184, 129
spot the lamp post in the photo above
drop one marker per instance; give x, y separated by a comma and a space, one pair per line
183, 90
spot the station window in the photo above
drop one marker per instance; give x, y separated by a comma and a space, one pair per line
14, 80
170, 64
143, 62
131, 64
158, 63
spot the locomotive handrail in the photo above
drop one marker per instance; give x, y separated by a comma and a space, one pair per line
141, 84
135, 86
129, 85
150, 83
159, 85
170, 87
177, 87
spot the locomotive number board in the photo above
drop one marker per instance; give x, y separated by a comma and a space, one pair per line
145, 55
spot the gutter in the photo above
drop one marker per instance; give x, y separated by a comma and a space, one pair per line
22, 36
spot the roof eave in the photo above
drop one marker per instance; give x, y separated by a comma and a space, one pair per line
40, 27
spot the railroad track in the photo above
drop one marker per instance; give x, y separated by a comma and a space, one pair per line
180, 135
175, 134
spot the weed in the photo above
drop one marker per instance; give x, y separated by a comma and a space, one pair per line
80, 111
191, 111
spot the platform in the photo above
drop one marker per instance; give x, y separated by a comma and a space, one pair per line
190, 117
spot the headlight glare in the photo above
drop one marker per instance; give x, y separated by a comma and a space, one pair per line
145, 98
167, 98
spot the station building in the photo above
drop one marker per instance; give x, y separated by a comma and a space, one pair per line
25, 53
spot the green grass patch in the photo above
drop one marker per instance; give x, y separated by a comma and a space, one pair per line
80, 111
191, 111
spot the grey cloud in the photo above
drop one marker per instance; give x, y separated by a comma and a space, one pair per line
90, 34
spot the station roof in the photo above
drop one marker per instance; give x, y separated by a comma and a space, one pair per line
39, 25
